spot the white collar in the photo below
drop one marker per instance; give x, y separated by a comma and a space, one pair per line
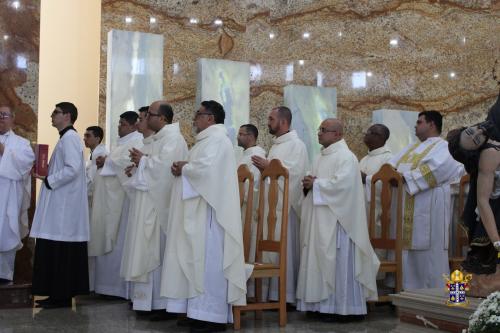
379, 151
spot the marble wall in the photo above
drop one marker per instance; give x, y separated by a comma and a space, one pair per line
386, 54
19, 50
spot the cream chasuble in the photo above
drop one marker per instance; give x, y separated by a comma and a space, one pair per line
428, 170
109, 195
211, 171
15, 184
333, 214
292, 153
151, 186
246, 159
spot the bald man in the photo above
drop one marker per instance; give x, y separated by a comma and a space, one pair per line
378, 153
338, 266
151, 186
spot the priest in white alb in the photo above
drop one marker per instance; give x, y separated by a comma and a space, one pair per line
428, 169
108, 222
338, 266
148, 217
16, 161
247, 139
203, 267
291, 151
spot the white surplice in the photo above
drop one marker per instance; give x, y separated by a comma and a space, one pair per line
62, 212
369, 165
428, 170
145, 241
91, 168
109, 218
338, 266
292, 153
246, 159
15, 194
90, 171
203, 267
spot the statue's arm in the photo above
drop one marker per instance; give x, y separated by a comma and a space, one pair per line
489, 161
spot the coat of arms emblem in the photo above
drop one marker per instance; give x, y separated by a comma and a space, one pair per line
457, 284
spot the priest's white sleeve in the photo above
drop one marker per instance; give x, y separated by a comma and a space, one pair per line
16, 164
72, 157
188, 191
436, 169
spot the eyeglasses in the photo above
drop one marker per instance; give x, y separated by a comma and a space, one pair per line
325, 130
5, 115
202, 114
56, 112
154, 114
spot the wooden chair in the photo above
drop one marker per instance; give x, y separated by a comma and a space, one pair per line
273, 172
391, 181
245, 176
460, 234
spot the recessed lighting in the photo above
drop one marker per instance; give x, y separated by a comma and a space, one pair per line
5, 37
193, 20
436, 75
218, 22
272, 35
394, 42
16, 4
339, 34
464, 40
452, 74
369, 74
152, 20
128, 19
301, 62
306, 35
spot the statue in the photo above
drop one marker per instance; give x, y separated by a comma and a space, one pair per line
478, 148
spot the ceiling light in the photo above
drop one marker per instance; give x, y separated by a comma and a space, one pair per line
128, 19
452, 74
272, 35
5, 37
301, 62
152, 20
436, 75
394, 42
306, 35
193, 20
218, 22
16, 4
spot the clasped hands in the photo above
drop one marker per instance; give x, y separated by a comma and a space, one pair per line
176, 168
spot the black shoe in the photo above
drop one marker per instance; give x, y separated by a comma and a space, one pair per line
5, 282
161, 315
59, 303
206, 327
349, 318
142, 314
186, 322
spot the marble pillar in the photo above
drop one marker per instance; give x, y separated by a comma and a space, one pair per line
135, 75
310, 106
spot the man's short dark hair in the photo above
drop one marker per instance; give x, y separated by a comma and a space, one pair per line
285, 113
166, 111
435, 117
251, 129
130, 117
383, 131
67, 107
143, 109
216, 109
97, 131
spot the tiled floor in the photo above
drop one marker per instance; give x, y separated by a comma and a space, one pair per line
93, 314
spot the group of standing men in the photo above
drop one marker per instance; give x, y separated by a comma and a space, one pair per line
161, 225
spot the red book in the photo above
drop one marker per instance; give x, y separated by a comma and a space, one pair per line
42, 159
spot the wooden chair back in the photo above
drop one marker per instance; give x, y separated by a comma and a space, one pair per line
273, 172
390, 180
245, 176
